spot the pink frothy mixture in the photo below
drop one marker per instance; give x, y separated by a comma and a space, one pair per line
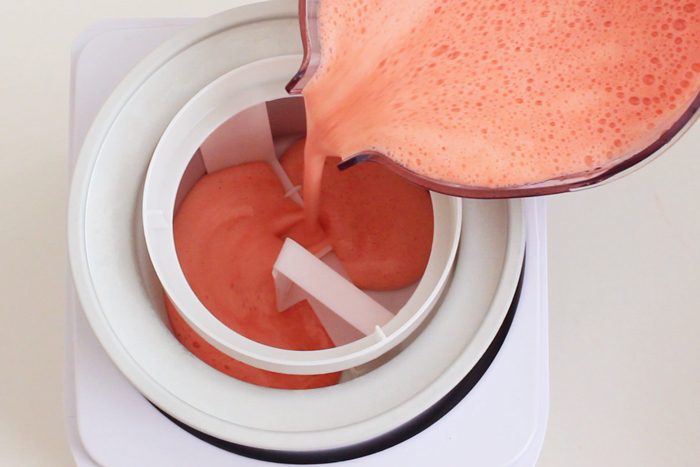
230, 229
496, 94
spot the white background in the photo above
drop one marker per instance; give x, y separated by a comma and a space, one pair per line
624, 272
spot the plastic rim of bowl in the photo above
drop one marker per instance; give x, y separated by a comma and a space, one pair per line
252, 84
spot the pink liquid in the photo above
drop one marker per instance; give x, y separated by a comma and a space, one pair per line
230, 229
491, 94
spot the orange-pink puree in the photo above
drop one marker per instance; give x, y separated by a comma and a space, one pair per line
230, 229
496, 94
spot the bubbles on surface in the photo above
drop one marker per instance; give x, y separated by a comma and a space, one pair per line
485, 92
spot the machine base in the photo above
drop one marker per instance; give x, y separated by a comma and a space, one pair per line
500, 422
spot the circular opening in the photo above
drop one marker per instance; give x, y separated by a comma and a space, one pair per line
242, 118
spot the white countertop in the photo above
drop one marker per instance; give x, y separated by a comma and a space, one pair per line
624, 272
